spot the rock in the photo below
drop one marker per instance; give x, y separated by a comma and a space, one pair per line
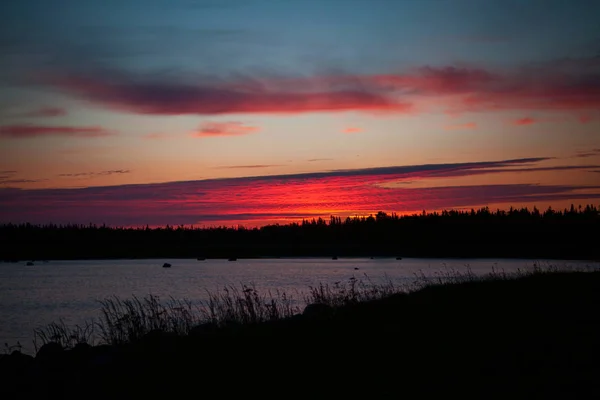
166, 265
317, 311
158, 336
204, 329
80, 353
82, 347
158, 342
49, 351
296, 318
17, 361
101, 356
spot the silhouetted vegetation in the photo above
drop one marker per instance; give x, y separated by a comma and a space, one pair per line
524, 335
519, 233
125, 321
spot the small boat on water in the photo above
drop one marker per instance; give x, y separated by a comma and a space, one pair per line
398, 258
232, 259
166, 265
334, 258
201, 258
29, 263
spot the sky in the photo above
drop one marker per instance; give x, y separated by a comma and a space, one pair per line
252, 112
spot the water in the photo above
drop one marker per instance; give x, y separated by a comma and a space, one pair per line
33, 296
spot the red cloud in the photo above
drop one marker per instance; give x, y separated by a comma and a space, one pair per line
525, 121
154, 136
122, 92
286, 196
569, 85
28, 131
225, 129
47, 112
468, 125
352, 130
254, 166
587, 118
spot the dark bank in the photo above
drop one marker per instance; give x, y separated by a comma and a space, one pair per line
516, 233
532, 335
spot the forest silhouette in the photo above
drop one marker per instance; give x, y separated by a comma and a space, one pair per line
514, 233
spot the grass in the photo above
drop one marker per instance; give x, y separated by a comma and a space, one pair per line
128, 320
351, 292
9, 349
246, 306
65, 335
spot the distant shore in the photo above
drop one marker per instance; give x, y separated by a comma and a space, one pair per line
517, 233
319, 257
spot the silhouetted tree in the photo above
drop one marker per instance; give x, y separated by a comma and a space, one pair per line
517, 232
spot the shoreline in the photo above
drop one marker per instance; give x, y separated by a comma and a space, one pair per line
491, 337
320, 257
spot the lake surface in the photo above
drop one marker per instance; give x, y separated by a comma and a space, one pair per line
34, 296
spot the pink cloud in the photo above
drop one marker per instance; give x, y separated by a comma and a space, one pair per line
154, 136
588, 118
525, 121
569, 85
468, 125
92, 174
29, 131
47, 112
253, 166
225, 129
212, 97
352, 130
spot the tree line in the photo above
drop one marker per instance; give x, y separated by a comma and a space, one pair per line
518, 232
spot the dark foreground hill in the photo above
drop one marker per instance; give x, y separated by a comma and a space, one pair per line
532, 337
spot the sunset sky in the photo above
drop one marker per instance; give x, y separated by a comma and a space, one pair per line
135, 112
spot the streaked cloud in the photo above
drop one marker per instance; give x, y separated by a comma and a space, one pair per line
8, 178
154, 136
46, 112
568, 85
126, 92
255, 199
352, 130
254, 166
225, 129
588, 153
91, 174
20, 181
524, 121
30, 131
466, 125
